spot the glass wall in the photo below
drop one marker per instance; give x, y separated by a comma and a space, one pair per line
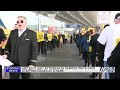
44, 22
34, 21
9, 18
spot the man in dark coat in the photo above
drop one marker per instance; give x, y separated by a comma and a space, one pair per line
93, 44
22, 47
114, 61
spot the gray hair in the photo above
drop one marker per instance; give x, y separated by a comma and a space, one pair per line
97, 29
21, 17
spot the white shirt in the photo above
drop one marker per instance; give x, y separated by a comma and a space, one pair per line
20, 32
109, 36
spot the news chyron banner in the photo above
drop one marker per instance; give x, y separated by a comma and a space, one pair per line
59, 69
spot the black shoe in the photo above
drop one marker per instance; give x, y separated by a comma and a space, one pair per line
96, 74
45, 55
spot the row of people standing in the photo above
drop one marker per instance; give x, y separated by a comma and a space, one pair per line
87, 44
99, 54
107, 48
49, 41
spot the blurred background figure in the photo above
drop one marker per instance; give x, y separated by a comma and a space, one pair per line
3, 41
85, 48
15, 26
101, 49
79, 38
93, 44
71, 39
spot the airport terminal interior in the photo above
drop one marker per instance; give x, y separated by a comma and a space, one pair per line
66, 23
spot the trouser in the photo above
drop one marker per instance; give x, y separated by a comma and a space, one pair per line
115, 75
93, 61
49, 45
107, 76
58, 43
64, 42
79, 50
77, 44
0, 65
44, 48
0, 72
87, 61
53, 43
83, 55
39, 47
71, 41
17, 75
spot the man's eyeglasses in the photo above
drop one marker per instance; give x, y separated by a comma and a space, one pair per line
20, 21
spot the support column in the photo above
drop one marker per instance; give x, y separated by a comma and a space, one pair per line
38, 22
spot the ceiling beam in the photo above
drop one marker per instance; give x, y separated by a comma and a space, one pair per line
76, 18
84, 17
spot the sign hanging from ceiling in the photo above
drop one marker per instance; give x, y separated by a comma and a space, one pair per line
52, 29
103, 17
72, 26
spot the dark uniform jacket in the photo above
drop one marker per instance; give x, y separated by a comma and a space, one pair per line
22, 50
114, 61
93, 43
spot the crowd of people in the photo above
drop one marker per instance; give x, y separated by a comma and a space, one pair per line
49, 41
101, 48
96, 47
24, 45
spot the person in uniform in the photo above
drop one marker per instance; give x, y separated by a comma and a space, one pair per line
22, 47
